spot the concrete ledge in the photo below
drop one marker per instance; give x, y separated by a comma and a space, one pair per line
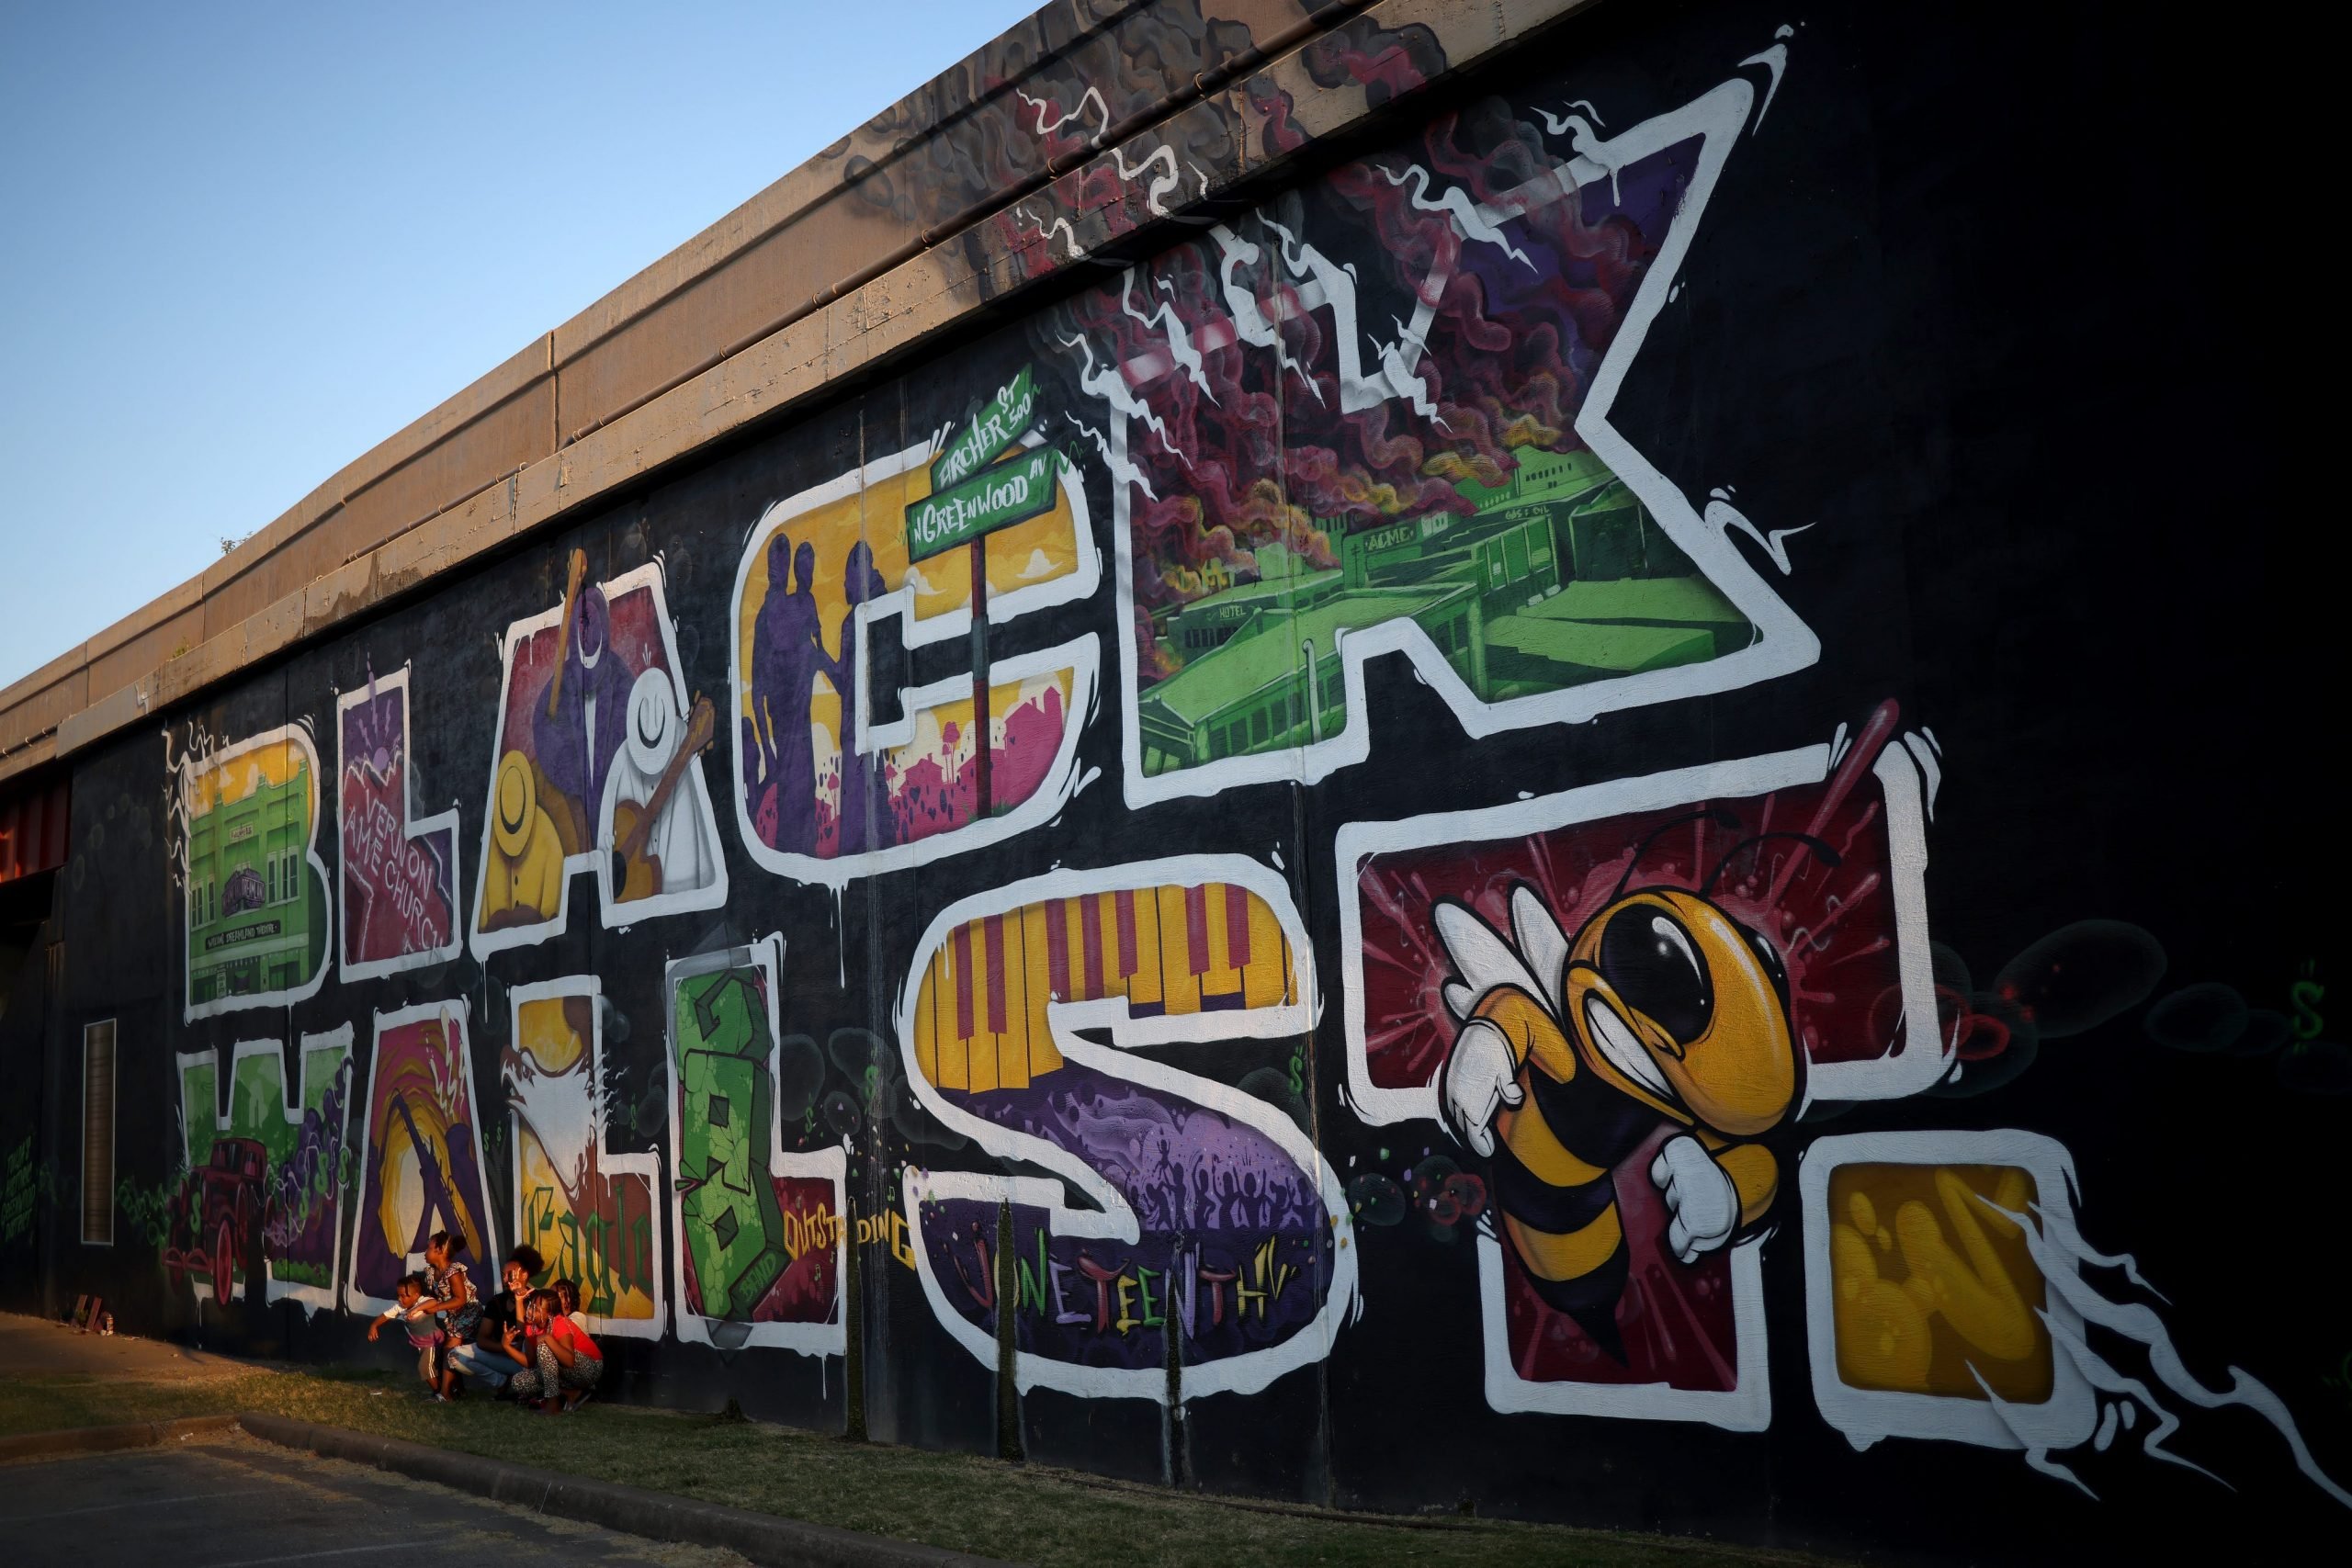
762, 1537
107, 1439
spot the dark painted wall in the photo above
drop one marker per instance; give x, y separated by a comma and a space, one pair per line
1974, 302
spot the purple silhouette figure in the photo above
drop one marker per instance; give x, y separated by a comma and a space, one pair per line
860, 770
576, 743
786, 657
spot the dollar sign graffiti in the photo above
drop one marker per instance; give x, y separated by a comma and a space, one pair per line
2307, 995
808, 1120
1298, 1085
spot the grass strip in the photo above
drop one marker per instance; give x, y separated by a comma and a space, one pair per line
1027, 1512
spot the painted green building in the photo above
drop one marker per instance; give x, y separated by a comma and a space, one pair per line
253, 913
1560, 577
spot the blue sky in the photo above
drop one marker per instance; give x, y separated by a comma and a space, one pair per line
241, 244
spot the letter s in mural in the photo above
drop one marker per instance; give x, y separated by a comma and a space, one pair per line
1619, 999
400, 872
244, 830
1214, 1217
421, 1164
264, 1178
843, 773
597, 764
1439, 333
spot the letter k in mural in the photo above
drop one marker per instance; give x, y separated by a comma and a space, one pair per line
1442, 360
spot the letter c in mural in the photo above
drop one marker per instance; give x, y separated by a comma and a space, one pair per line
245, 829
1620, 999
1213, 1215
596, 765
841, 774
421, 1162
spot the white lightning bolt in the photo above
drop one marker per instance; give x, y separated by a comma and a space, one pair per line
1093, 96
1112, 388
1180, 347
1166, 180
1469, 220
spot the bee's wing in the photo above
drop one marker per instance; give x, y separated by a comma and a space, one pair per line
1482, 959
1542, 943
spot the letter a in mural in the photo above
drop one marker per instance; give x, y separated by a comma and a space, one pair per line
597, 765
245, 825
263, 1187
420, 1165
1214, 1217
839, 779
1441, 353
399, 901
588, 1210
1620, 999
756, 1227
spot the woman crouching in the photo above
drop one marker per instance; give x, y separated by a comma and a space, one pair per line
564, 1361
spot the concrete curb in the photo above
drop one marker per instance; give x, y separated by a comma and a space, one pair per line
106, 1440
762, 1537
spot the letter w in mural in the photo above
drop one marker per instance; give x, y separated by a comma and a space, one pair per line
1620, 1000
261, 1191
1207, 1211
597, 765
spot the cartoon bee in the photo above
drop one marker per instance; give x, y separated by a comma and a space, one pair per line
1665, 1011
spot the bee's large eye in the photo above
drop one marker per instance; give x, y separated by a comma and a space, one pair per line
1776, 971
1648, 958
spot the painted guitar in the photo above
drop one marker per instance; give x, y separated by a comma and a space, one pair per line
636, 872
578, 575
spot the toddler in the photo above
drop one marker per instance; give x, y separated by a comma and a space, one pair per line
424, 1332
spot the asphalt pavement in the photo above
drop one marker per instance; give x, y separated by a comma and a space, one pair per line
34, 1346
233, 1502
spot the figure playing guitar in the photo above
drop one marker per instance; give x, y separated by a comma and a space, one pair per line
661, 841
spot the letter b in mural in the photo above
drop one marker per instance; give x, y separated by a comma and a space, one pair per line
597, 766
245, 824
757, 1228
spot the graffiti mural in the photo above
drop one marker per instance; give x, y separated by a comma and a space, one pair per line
1439, 333
588, 1210
1619, 998
597, 766
262, 1190
399, 902
1951, 1297
246, 823
1214, 1217
421, 1162
757, 1228
837, 779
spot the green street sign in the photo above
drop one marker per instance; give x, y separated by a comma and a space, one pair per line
986, 437
1012, 491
